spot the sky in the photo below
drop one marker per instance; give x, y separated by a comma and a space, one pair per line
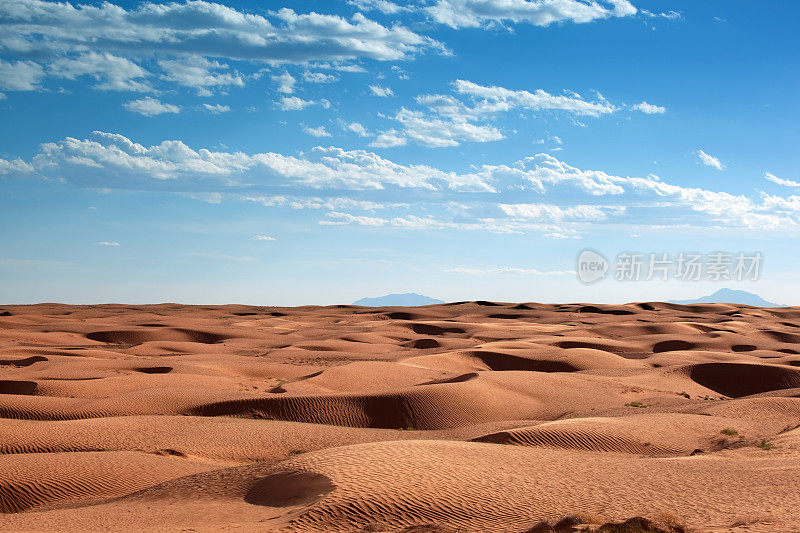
320, 152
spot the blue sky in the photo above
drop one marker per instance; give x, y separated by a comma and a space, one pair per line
319, 152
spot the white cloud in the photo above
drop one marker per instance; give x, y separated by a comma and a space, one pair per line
476, 13
118, 73
428, 222
781, 181
710, 160
319, 131
383, 92
216, 108
671, 15
263, 238
16, 166
558, 235
313, 202
553, 212
107, 243
150, 107
384, 6
319, 77
354, 127
482, 102
389, 139
20, 75
181, 36
789, 204
649, 109
494, 98
285, 83
114, 161
401, 74
213, 198
437, 133
346, 218
202, 28
199, 73
293, 103
339, 66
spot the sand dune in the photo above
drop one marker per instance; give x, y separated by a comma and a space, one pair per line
474, 416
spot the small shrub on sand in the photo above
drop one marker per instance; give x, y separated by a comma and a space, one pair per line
729, 432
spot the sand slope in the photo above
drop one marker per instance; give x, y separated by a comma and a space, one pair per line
480, 416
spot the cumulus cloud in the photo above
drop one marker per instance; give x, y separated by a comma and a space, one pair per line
184, 37
107, 243
437, 133
389, 139
319, 77
199, 73
15, 166
383, 92
20, 75
150, 107
263, 238
354, 127
285, 82
293, 103
649, 109
319, 131
477, 13
112, 72
710, 160
216, 108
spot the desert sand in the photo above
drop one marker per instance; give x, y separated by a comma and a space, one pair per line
471, 416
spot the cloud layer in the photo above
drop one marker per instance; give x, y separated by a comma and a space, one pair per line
559, 200
191, 41
450, 119
477, 13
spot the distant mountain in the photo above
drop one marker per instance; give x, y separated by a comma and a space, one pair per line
729, 296
408, 299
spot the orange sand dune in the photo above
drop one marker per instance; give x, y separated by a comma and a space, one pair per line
470, 416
